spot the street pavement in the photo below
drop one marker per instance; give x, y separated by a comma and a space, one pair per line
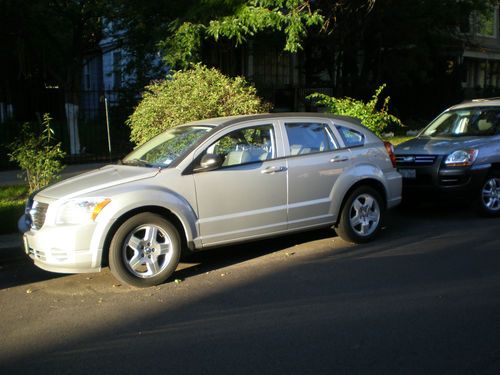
421, 299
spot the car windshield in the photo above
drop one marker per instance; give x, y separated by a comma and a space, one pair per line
164, 149
465, 122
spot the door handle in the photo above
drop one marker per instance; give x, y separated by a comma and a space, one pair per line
274, 169
338, 159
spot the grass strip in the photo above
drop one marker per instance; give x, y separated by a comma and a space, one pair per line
12, 201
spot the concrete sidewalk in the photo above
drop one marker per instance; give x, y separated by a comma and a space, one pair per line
14, 177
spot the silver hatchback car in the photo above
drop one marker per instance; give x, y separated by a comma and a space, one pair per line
211, 183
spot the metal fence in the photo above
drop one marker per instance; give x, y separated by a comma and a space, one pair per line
83, 131
89, 118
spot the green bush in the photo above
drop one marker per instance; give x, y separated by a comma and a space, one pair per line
38, 156
374, 119
194, 94
12, 202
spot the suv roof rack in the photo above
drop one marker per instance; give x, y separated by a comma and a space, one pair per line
483, 99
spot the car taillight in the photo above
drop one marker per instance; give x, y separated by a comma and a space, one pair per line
390, 150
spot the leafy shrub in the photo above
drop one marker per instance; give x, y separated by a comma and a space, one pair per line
12, 201
374, 119
190, 95
38, 156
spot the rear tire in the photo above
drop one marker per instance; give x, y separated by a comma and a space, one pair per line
361, 216
489, 196
144, 251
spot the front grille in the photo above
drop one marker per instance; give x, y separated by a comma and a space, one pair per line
415, 160
37, 213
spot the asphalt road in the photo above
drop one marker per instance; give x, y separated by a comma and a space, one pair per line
422, 299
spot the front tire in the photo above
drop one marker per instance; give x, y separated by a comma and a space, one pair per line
361, 216
489, 196
145, 250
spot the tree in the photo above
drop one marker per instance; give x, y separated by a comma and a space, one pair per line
238, 20
44, 43
139, 26
412, 46
191, 95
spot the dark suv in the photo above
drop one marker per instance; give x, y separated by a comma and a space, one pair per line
457, 152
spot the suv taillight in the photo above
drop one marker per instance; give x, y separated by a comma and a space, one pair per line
390, 150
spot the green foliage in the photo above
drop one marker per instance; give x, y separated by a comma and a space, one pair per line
374, 119
397, 140
12, 201
38, 156
245, 19
190, 95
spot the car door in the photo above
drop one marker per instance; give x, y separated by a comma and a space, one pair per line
315, 160
245, 197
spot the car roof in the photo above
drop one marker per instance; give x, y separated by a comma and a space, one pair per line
226, 121
474, 103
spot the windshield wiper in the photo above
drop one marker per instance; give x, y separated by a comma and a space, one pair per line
138, 163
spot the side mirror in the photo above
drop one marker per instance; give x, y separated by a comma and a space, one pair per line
209, 162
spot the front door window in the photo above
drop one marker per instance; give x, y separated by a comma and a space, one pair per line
247, 145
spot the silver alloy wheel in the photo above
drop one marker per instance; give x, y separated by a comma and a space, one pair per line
490, 195
364, 215
147, 250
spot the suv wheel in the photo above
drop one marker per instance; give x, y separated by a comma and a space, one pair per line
361, 216
145, 250
489, 199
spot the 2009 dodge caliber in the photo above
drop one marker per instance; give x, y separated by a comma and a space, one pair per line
211, 183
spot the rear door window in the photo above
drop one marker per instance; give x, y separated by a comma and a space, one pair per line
309, 137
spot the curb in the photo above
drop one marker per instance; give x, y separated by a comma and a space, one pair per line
10, 241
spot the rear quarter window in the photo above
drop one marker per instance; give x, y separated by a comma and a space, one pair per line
351, 137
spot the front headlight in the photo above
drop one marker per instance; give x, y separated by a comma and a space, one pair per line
81, 210
461, 158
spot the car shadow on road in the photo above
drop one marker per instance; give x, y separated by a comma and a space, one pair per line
17, 269
398, 230
221, 257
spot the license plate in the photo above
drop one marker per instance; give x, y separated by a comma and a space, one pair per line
408, 173
26, 246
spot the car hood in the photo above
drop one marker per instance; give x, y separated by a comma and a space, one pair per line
436, 146
105, 177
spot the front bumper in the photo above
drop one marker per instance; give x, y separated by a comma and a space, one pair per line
437, 177
64, 249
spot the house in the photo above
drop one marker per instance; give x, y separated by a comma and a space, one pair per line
480, 57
